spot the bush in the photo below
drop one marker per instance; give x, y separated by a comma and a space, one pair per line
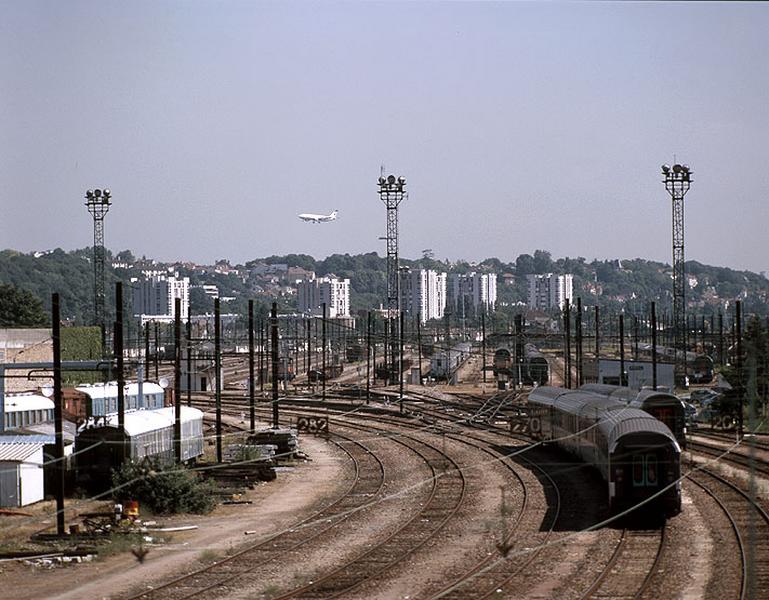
164, 489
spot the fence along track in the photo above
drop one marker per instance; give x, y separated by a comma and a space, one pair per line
369, 475
630, 569
750, 524
446, 497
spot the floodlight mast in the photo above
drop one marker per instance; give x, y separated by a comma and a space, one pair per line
677, 180
98, 203
392, 192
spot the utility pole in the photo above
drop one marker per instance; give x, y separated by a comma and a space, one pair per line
118, 344
400, 366
677, 180
251, 382
274, 348
567, 343
178, 379
368, 357
419, 345
218, 377
622, 381
654, 345
58, 412
740, 371
578, 328
323, 351
483, 343
189, 360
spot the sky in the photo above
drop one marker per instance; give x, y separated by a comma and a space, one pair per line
518, 126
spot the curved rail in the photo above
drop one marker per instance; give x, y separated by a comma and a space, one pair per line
749, 521
368, 480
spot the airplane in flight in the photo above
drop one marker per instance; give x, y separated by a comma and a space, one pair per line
313, 218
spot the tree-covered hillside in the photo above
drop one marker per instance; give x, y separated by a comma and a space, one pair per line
615, 284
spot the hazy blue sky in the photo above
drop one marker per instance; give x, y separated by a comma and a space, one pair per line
518, 126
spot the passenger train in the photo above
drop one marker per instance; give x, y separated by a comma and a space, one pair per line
661, 405
699, 367
636, 454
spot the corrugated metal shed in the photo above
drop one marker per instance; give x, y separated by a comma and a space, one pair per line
27, 439
18, 452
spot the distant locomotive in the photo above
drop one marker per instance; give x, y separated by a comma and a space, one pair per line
699, 367
102, 447
444, 363
636, 454
661, 405
537, 368
534, 369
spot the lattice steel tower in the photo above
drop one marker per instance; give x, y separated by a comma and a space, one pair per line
391, 192
677, 180
98, 203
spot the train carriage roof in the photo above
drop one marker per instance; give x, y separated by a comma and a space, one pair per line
109, 389
143, 421
615, 419
626, 394
26, 401
633, 421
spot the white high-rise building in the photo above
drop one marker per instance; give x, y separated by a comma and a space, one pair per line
154, 297
423, 293
312, 293
549, 291
471, 293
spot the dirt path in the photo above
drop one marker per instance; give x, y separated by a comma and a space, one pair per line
276, 505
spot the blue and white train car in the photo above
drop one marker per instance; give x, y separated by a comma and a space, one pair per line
100, 399
23, 410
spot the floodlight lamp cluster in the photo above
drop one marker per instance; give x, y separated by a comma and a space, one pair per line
391, 183
677, 172
97, 195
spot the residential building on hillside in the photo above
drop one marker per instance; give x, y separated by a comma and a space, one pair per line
423, 293
154, 297
549, 291
472, 293
334, 292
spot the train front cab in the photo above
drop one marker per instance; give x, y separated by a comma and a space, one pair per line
671, 412
642, 464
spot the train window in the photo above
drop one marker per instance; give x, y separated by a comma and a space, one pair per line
651, 470
645, 470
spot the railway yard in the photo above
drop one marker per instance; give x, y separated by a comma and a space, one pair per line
440, 496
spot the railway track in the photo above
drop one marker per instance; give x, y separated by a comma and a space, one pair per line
631, 567
444, 498
750, 525
368, 479
739, 459
638, 552
482, 579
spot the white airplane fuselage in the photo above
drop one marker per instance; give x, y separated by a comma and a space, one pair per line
313, 218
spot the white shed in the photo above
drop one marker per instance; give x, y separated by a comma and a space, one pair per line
21, 470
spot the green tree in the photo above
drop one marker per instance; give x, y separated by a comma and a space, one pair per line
20, 308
